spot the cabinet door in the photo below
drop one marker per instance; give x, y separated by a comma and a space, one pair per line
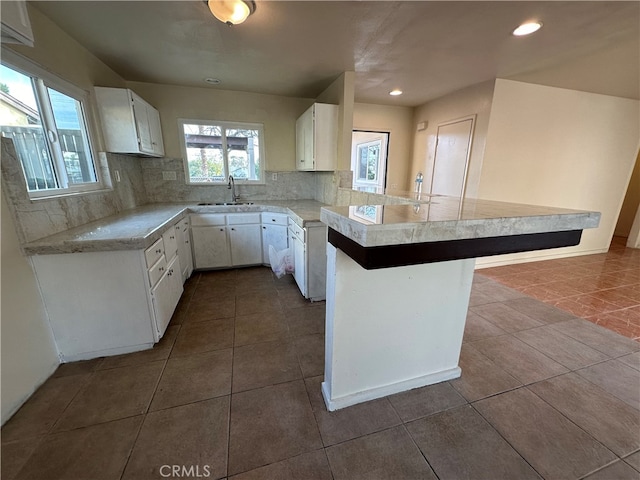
16, 27
275, 235
246, 244
184, 250
210, 247
304, 141
142, 123
166, 295
300, 264
155, 130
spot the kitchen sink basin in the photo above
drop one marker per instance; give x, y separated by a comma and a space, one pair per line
226, 203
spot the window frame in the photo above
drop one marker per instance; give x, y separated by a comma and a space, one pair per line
223, 125
45, 79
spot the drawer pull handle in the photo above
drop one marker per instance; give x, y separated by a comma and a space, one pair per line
159, 250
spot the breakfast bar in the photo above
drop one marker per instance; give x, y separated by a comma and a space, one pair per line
382, 340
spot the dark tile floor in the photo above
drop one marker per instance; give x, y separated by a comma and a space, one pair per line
233, 391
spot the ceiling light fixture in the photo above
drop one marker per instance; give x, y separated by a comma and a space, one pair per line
231, 12
395, 92
527, 29
212, 81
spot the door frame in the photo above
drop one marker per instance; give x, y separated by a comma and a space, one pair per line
386, 153
466, 165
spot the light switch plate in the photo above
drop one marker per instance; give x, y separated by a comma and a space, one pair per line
168, 175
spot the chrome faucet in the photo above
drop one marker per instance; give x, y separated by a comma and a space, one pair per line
232, 185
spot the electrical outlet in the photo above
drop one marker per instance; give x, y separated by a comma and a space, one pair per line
168, 175
274, 176
116, 173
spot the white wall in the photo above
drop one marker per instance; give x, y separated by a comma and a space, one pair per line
28, 351
473, 100
398, 121
29, 354
631, 202
342, 92
561, 148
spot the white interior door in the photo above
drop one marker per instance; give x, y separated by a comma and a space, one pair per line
451, 160
369, 161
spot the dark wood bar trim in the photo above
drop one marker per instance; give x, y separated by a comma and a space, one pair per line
387, 256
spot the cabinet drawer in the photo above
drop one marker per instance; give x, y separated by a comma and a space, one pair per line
184, 224
170, 243
275, 218
298, 231
243, 218
154, 252
156, 271
208, 219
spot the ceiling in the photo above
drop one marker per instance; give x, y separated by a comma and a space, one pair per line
425, 48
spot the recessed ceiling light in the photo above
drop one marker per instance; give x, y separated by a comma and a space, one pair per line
527, 28
395, 92
212, 81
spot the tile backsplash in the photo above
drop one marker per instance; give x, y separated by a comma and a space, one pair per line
35, 219
287, 185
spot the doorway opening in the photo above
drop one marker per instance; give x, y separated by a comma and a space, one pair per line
369, 151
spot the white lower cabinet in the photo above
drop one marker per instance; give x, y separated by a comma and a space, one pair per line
246, 244
241, 239
183, 237
166, 294
310, 258
228, 240
112, 302
299, 262
274, 232
210, 247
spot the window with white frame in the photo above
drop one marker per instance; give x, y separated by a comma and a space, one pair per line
46, 118
214, 150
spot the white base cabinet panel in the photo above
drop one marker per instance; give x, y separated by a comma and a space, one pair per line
166, 294
310, 264
406, 338
274, 232
210, 247
99, 303
183, 237
246, 245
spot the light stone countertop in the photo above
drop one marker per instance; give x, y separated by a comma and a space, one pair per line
140, 227
449, 218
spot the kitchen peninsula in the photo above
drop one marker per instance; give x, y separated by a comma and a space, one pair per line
398, 284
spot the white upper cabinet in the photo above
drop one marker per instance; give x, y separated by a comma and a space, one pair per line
130, 125
317, 138
16, 27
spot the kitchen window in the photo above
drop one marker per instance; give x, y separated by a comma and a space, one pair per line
214, 150
46, 118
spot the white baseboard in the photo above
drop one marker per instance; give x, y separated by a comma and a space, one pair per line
379, 392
